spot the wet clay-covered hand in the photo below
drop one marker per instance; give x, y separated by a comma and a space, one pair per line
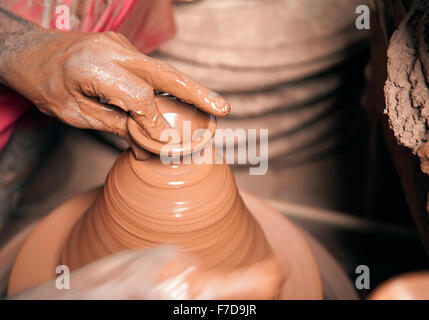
159, 273
95, 80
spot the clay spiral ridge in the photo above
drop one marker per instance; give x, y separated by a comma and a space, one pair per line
147, 203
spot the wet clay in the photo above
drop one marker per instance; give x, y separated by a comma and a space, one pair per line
146, 203
180, 117
41, 253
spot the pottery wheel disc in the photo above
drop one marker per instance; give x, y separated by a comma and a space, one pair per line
41, 254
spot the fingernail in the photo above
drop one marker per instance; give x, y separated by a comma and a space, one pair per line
223, 107
226, 109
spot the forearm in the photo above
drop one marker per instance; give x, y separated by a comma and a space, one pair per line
15, 34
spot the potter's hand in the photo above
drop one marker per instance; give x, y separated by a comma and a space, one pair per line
95, 80
159, 273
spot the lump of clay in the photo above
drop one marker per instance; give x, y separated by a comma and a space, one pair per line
197, 207
147, 203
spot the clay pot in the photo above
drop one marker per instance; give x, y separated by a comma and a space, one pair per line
262, 34
263, 57
226, 79
252, 45
283, 97
146, 203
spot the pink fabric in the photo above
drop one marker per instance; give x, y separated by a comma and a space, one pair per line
12, 106
146, 23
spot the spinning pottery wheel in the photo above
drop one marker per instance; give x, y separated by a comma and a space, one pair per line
195, 206
40, 255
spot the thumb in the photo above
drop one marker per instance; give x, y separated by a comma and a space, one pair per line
131, 94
